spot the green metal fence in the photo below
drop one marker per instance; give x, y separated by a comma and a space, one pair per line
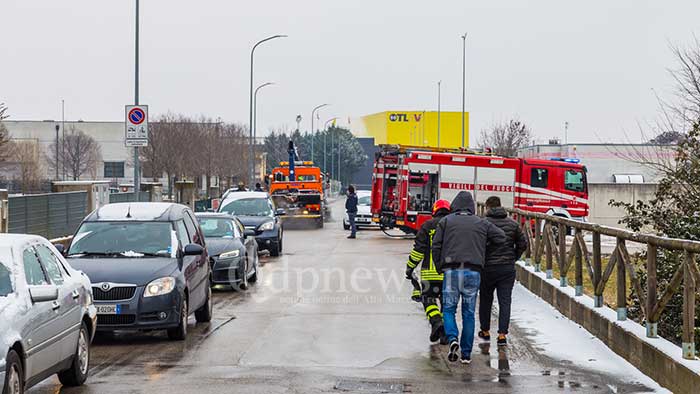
52, 215
129, 197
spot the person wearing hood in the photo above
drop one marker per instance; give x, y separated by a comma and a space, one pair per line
351, 209
459, 251
429, 289
499, 271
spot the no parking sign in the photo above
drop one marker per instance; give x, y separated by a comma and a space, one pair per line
136, 125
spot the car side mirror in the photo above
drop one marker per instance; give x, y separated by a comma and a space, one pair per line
193, 250
61, 249
43, 293
280, 212
249, 233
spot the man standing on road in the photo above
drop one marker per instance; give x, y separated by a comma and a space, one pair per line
459, 249
499, 271
351, 209
430, 287
258, 187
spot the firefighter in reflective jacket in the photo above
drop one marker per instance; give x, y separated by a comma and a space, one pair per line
429, 290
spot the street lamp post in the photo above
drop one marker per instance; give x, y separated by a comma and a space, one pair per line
464, 73
250, 123
325, 128
313, 136
255, 114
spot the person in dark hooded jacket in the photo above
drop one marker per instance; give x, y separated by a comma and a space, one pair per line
459, 251
499, 271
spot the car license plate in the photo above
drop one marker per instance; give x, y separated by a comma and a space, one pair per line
108, 309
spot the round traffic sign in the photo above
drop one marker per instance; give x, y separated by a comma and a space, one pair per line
136, 116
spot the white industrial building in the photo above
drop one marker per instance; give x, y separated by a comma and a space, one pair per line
614, 173
115, 164
606, 163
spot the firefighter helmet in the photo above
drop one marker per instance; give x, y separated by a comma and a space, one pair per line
440, 204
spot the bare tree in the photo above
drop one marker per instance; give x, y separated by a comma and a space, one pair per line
676, 117
80, 156
4, 135
506, 138
687, 77
27, 155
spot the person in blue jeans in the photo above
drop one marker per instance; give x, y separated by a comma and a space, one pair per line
459, 250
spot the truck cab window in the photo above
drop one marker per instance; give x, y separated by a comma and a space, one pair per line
574, 180
538, 177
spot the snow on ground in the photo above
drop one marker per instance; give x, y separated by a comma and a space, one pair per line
562, 339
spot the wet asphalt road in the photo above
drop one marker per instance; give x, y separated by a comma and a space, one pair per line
330, 315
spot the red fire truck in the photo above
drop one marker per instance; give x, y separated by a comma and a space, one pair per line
408, 180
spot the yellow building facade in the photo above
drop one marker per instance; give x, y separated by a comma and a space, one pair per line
417, 128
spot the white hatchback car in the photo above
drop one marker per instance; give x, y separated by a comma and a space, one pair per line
47, 317
364, 212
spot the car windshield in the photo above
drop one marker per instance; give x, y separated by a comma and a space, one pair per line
363, 200
248, 207
216, 227
5, 280
124, 239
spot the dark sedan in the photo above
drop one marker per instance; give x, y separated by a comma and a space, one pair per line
233, 254
258, 214
148, 266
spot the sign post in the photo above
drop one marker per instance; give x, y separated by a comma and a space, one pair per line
136, 125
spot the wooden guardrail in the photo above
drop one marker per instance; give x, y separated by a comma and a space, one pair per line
547, 239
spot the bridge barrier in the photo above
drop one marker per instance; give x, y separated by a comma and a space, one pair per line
649, 353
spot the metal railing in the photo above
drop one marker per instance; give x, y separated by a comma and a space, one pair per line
550, 244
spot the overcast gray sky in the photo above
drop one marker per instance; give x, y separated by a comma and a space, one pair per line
592, 63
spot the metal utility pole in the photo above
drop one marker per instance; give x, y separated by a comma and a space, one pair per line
56, 158
137, 164
63, 140
251, 152
438, 116
566, 133
313, 134
325, 128
464, 77
332, 156
255, 113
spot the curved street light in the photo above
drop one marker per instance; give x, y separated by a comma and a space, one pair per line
250, 122
325, 127
255, 114
313, 136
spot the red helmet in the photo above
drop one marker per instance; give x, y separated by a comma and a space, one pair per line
440, 204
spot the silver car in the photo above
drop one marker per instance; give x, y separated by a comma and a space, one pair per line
47, 318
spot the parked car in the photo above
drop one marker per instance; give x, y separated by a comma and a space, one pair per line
364, 212
258, 214
47, 317
148, 265
233, 254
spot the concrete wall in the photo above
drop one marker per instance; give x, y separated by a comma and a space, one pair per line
599, 196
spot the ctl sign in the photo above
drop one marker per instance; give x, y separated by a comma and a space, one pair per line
136, 125
404, 117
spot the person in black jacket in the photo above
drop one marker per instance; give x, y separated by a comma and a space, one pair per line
351, 209
429, 289
499, 271
459, 251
